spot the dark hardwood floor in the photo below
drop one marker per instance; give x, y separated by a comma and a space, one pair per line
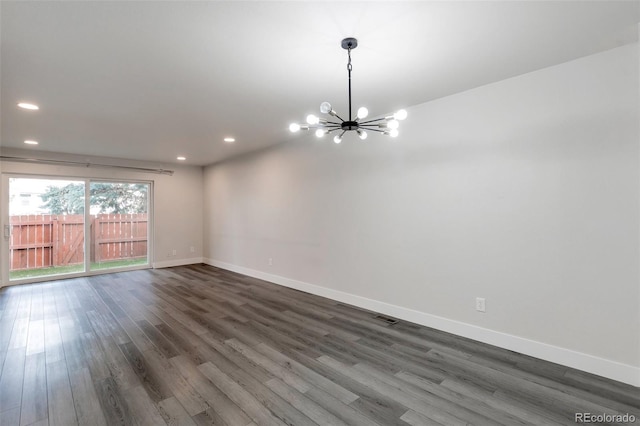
197, 345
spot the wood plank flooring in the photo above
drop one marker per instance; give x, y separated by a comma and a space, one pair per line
197, 345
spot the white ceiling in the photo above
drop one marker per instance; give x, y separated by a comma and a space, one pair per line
151, 80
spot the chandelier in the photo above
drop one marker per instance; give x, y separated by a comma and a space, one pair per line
387, 125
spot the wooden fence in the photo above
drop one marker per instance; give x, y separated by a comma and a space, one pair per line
118, 236
40, 241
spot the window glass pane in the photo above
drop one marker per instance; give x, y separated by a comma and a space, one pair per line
119, 224
47, 227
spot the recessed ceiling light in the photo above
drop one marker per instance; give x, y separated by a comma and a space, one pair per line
181, 158
25, 105
229, 139
31, 142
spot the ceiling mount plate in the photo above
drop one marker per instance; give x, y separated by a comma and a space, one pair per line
349, 43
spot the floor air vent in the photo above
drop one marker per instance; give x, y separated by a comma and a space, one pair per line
388, 320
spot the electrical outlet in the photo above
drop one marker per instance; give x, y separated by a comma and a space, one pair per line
480, 304
192, 249
271, 261
174, 252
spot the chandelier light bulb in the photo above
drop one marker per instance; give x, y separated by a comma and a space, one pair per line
294, 127
362, 112
400, 115
393, 124
312, 119
320, 133
362, 134
337, 139
325, 108
393, 133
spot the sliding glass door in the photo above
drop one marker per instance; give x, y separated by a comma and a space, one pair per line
119, 224
46, 227
75, 226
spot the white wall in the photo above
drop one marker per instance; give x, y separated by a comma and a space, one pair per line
177, 199
525, 192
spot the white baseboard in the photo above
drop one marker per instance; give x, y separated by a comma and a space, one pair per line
177, 262
603, 367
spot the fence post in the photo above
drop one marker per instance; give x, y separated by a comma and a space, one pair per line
55, 227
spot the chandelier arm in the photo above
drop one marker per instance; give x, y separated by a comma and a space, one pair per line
373, 129
374, 120
338, 117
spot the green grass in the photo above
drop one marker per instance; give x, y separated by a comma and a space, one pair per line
118, 264
58, 270
40, 272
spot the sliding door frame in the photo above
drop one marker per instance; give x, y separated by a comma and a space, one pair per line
5, 242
